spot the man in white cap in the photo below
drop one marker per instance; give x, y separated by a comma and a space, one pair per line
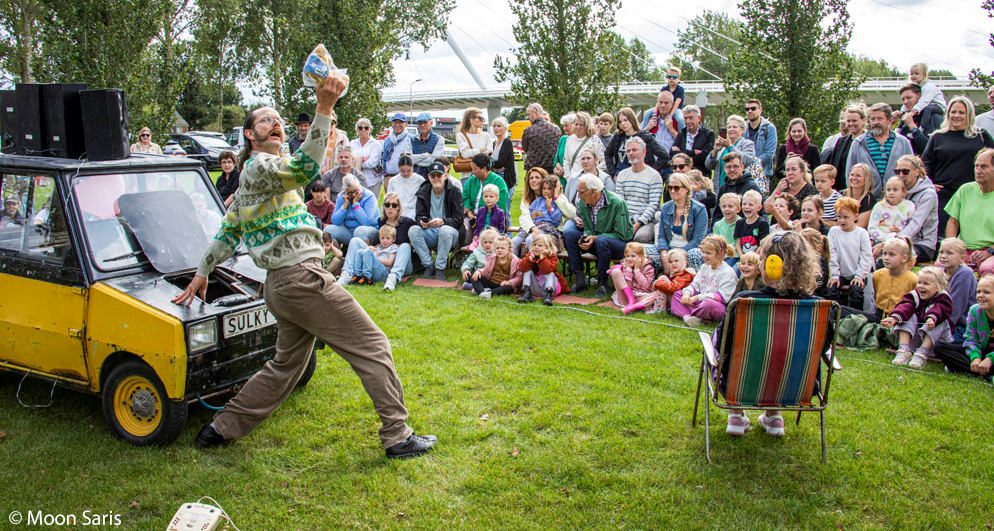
427, 146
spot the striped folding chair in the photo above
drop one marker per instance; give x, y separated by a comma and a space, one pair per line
775, 347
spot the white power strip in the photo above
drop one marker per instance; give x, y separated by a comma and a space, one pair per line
196, 517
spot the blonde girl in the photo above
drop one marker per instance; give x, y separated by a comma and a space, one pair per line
750, 279
962, 283
921, 319
540, 267
896, 278
861, 188
500, 274
680, 276
632, 279
712, 288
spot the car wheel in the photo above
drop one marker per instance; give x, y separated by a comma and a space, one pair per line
312, 364
137, 408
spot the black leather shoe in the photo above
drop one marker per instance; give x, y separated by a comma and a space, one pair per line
440, 274
601, 292
428, 272
526, 294
209, 438
413, 446
549, 296
581, 283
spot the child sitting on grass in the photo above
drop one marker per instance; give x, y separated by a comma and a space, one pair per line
962, 283
478, 258
976, 354
374, 263
852, 255
500, 274
680, 276
824, 177
489, 215
921, 318
705, 298
891, 214
895, 279
812, 215
750, 278
540, 267
333, 257
632, 279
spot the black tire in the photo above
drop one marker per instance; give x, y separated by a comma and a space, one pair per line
312, 364
136, 406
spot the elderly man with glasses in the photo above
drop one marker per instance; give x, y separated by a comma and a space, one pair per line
604, 229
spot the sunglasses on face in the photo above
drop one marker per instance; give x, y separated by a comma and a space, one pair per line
679, 166
363, 128
669, 76
902, 171
752, 109
675, 187
391, 205
144, 135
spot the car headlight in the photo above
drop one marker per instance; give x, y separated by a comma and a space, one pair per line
202, 335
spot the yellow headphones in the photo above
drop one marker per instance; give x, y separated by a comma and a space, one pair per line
774, 263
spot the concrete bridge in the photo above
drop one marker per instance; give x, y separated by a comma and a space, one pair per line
643, 95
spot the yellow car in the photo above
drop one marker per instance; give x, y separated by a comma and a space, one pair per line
91, 254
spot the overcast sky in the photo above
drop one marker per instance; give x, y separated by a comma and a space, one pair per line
894, 30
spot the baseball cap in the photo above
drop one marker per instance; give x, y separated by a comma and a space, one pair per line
436, 167
399, 116
423, 117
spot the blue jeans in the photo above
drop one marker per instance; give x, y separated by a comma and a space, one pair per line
606, 249
371, 267
343, 234
442, 239
519, 238
401, 263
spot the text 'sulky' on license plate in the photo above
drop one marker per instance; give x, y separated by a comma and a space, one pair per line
247, 321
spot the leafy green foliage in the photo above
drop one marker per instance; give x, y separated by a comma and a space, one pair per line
978, 77
567, 56
793, 58
875, 67
20, 22
214, 43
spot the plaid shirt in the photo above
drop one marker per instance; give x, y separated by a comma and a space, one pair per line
595, 209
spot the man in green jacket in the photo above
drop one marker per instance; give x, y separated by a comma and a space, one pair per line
606, 229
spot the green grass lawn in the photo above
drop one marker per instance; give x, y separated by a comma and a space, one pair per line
547, 418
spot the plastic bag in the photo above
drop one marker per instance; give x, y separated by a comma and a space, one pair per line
319, 65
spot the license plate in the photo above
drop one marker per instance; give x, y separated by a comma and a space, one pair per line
247, 321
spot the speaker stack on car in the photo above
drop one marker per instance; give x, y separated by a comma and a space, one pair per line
64, 120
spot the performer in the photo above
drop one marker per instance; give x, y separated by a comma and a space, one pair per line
303, 296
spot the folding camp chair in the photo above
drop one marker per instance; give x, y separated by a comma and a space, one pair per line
775, 349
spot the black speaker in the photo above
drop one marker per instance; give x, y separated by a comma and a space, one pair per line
8, 121
105, 123
28, 124
63, 120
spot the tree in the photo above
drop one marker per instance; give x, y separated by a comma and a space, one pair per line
19, 25
794, 60
704, 46
977, 77
634, 60
565, 55
214, 44
875, 67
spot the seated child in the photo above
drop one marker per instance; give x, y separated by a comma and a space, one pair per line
333, 257
976, 353
752, 228
962, 283
824, 177
750, 279
891, 214
818, 243
478, 258
812, 215
921, 318
632, 279
730, 204
320, 206
541, 271
489, 215
895, 279
374, 263
545, 212
788, 210
500, 274
679, 277
703, 190
705, 298
851, 255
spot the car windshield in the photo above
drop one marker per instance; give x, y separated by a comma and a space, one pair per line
212, 142
123, 227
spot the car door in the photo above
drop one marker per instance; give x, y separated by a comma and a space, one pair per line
44, 299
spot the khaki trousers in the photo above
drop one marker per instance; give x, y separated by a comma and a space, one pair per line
308, 303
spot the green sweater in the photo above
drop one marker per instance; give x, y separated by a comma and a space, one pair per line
268, 213
473, 199
612, 219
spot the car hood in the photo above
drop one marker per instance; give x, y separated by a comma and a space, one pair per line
157, 290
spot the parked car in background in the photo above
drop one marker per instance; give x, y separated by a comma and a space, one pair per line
451, 151
235, 137
519, 154
205, 147
172, 149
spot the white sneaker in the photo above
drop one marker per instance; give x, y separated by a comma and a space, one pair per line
918, 360
903, 357
343, 280
486, 294
773, 425
737, 425
390, 283
690, 320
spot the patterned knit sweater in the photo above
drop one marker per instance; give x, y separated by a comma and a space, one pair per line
268, 213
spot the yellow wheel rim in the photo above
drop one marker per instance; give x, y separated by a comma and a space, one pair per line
137, 406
